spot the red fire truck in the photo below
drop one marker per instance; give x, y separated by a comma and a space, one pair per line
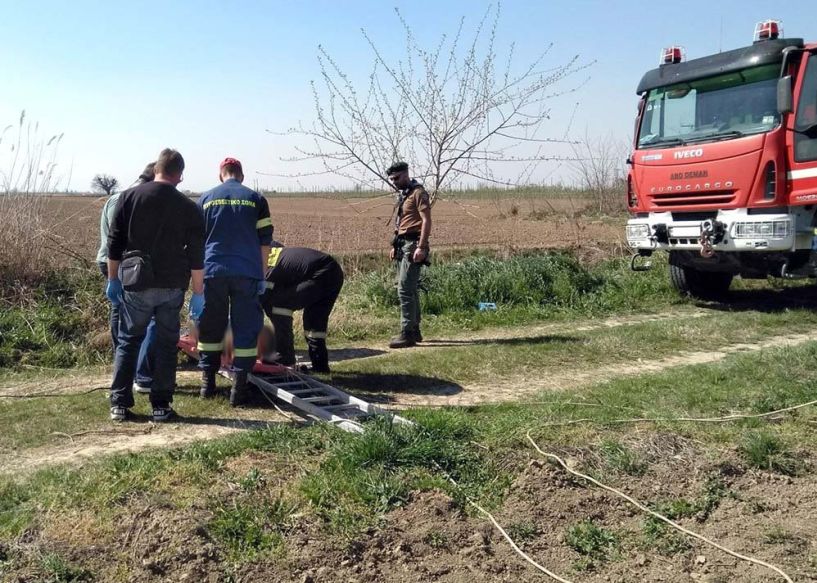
723, 174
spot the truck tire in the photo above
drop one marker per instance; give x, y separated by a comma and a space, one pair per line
706, 285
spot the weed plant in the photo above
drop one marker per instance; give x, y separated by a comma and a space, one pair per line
764, 450
527, 286
593, 542
53, 324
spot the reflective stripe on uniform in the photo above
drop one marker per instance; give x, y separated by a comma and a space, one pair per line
246, 351
282, 312
274, 253
315, 335
263, 223
210, 346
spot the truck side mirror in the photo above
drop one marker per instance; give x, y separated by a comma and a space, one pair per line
784, 95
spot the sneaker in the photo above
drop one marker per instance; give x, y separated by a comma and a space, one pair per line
403, 340
120, 413
141, 389
162, 414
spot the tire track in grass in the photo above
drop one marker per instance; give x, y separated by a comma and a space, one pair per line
516, 387
382, 350
108, 439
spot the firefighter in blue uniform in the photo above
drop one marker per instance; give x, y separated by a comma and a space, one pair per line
305, 279
238, 232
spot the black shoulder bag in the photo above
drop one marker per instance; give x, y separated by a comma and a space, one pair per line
136, 269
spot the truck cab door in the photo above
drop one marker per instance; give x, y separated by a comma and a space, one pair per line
802, 142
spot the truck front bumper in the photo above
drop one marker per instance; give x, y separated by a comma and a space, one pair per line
742, 232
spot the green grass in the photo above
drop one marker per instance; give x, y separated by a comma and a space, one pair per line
58, 570
764, 450
436, 539
527, 287
61, 416
522, 531
595, 543
377, 470
251, 527
484, 361
46, 324
455, 361
347, 483
621, 458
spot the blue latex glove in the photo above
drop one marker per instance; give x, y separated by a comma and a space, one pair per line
196, 306
114, 291
262, 287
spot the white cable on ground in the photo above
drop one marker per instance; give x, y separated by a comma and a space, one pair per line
490, 516
683, 419
642, 507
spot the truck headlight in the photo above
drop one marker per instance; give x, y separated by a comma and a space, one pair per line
638, 232
778, 229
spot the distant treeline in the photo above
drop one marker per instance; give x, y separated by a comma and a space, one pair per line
475, 192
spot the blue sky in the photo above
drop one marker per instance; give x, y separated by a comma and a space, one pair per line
122, 80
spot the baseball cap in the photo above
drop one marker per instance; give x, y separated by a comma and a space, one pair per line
232, 162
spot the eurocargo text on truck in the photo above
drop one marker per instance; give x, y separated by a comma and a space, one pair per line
723, 174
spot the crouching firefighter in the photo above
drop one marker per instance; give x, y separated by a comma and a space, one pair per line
412, 227
301, 279
238, 233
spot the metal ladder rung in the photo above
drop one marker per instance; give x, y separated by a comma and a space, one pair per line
342, 406
305, 391
321, 399
290, 383
353, 414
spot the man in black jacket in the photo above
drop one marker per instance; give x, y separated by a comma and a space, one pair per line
159, 221
301, 279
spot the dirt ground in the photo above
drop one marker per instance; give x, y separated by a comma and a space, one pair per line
431, 539
355, 225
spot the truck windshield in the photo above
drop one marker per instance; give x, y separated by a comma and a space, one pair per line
716, 108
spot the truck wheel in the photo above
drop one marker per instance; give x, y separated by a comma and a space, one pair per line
705, 285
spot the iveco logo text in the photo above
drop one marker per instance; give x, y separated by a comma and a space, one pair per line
689, 154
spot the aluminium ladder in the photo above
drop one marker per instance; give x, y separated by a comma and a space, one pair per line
312, 398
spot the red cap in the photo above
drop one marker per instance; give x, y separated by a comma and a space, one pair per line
231, 161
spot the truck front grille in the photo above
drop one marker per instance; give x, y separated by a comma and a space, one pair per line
718, 198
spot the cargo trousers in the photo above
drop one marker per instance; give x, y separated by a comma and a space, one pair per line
408, 292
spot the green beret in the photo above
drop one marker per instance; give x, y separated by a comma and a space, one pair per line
397, 167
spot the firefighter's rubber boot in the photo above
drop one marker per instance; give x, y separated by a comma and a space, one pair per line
416, 335
240, 392
284, 340
404, 340
208, 384
318, 354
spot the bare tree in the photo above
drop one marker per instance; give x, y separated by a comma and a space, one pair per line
600, 167
456, 111
104, 184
